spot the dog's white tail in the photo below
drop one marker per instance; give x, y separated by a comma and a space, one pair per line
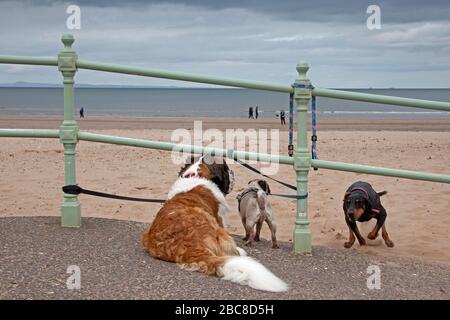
247, 271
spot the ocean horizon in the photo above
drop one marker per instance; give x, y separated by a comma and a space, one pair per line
203, 102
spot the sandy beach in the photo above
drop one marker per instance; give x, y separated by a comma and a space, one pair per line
418, 220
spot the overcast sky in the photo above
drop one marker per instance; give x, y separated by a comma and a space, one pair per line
254, 39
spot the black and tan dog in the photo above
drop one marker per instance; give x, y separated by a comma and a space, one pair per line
362, 203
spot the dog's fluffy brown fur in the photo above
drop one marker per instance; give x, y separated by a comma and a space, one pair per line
189, 229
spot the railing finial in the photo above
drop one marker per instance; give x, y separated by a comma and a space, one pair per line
67, 39
302, 69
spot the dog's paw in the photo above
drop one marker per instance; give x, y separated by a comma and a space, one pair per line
248, 243
241, 251
257, 239
372, 235
245, 238
389, 243
348, 244
275, 246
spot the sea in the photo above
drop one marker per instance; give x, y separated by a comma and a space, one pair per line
204, 102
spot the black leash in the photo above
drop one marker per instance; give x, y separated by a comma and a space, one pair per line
230, 154
74, 189
290, 196
247, 166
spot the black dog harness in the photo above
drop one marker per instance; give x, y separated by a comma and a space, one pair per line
248, 191
370, 195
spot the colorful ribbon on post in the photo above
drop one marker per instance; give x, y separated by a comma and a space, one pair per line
291, 125
313, 121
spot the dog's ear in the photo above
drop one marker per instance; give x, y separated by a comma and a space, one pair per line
264, 185
187, 164
221, 175
346, 195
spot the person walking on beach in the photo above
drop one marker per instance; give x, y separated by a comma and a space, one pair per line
283, 117
256, 112
82, 112
250, 113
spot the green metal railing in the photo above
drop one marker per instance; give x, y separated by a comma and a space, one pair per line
69, 134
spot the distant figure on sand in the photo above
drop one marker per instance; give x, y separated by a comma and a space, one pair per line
256, 112
250, 113
282, 117
82, 112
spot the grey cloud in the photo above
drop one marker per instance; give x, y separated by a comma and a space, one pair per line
232, 40
348, 11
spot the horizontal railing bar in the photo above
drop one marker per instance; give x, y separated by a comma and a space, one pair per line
168, 146
323, 164
320, 92
376, 98
415, 175
380, 171
29, 133
82, 64
29, 60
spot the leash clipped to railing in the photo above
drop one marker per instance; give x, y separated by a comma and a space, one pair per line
313, 122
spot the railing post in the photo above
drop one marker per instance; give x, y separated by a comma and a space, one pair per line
302, 161
68, 133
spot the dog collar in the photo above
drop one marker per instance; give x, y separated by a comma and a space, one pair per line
361, 189
191, 175
245, 192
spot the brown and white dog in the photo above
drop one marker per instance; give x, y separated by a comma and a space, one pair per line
189, 228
